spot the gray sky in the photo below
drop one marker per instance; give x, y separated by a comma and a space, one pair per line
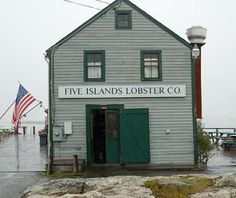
29, 27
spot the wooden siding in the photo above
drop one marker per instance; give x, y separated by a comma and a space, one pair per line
122, 54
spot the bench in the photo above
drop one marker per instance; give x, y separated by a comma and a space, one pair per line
228, 143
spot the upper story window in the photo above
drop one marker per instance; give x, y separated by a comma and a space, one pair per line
151, 65
123, 19
94, 65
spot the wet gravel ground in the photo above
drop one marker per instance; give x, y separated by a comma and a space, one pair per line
22, 153
12, 184
22, 160
222, 161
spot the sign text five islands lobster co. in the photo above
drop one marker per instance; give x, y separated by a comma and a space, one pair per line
123, 91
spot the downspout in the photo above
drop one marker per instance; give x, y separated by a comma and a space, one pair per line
194, 113
51, 110
49, 57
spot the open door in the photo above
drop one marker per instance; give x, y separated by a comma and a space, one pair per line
103, 134
134, 136
112, 137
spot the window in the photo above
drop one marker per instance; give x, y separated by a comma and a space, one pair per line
94, 65
123, 20
151, 65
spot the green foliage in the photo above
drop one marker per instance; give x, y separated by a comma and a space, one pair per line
204, 147
188, 185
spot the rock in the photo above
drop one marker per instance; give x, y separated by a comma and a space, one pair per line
226, 181
91, 194
127, 187
120, 186
56, 187
109, 187
219, 194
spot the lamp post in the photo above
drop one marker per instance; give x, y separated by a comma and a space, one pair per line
196, 36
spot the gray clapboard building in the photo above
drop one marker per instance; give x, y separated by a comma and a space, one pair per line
122, 92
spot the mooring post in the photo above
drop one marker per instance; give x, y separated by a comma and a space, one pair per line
49, 166
75, 164
217, 136
24, 129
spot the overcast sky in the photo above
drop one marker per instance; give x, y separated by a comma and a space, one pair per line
29, 27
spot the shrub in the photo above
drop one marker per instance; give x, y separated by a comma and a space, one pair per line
204, 147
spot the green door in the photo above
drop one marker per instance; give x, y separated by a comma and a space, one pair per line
112, 137
134, 136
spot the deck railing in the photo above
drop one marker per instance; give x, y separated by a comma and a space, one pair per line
218, 134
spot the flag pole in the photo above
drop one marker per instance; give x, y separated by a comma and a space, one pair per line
31, 109
7, 109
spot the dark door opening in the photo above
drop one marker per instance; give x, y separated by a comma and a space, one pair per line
99, 135
105, 133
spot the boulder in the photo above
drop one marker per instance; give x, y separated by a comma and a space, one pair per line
56, 188
109, 187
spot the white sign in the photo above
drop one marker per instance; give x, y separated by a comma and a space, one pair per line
122, 91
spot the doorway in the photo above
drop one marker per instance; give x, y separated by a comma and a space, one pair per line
116, 135
103, 135
99, 135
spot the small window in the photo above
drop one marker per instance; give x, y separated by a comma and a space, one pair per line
94, 65
123, 20
151, 65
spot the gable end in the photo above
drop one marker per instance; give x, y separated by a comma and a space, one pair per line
106, 9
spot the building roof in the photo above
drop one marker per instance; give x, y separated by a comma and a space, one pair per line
106, 9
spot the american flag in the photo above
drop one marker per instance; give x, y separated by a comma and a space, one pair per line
23, 100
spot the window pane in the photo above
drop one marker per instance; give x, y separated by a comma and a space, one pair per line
90, 58
112, 125
120, 18
126, 24
94, 72
147, 72
154, 72
97, 57
126, 17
